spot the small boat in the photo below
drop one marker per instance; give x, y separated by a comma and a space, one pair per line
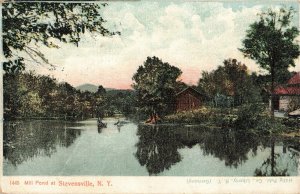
121, 122
101, 124
120, 125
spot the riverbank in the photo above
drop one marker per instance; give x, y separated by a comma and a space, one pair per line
246, 118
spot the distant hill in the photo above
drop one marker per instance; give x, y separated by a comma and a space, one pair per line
93, 88
87, 87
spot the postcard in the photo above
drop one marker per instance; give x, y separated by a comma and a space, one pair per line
150, 96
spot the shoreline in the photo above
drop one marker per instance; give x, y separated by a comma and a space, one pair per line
295, 134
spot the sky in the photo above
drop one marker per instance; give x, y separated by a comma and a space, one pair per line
194, 36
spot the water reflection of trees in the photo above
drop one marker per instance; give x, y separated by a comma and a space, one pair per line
232, 147
272, 166
158, 146
25, 140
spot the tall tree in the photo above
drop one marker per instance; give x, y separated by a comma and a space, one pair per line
28, 24
155, 83
270, 41
231, 80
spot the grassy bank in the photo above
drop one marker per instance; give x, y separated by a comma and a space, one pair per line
251, 117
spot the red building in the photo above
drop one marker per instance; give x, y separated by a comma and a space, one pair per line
287, 95
188, 99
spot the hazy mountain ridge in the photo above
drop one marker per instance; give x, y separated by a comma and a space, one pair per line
87, 87
93, 88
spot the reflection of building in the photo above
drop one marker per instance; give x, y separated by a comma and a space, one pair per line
287, 96
188, 99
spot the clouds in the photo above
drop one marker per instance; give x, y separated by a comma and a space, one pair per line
194, 36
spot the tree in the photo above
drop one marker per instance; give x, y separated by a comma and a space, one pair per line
99, 101
270, 41
101, 90
30, 24
157, 148
155, 83
228, 83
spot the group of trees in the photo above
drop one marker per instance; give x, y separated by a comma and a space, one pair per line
121, 102
229, 85
27, 95
26, 27
30, 95
270, 41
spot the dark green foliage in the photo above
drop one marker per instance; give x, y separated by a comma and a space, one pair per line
27, 95
229, 85
155, 84
271, 42
293, 123
121, 101
249, 116
221, 100
254, 117
202, 115
28, 23
214, 117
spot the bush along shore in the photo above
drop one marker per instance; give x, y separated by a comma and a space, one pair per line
250, 117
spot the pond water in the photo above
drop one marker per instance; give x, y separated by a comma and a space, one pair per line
79, 148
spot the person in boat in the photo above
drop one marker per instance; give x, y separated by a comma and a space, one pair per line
100, 123
118, 122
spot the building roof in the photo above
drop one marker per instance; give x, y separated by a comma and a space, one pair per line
189, 88
290, 90
295, 79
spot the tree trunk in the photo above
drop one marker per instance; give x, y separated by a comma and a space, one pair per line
272, 158
272, 91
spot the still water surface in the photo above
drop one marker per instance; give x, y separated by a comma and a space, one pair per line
80, 148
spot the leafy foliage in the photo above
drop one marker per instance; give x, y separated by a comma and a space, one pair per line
270, 41
121, 101
28, 24
254, 117
229, 81
155, 84
29, 95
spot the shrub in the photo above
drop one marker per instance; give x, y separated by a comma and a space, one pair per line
254, 116
196, 116
291, 122
248, 115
